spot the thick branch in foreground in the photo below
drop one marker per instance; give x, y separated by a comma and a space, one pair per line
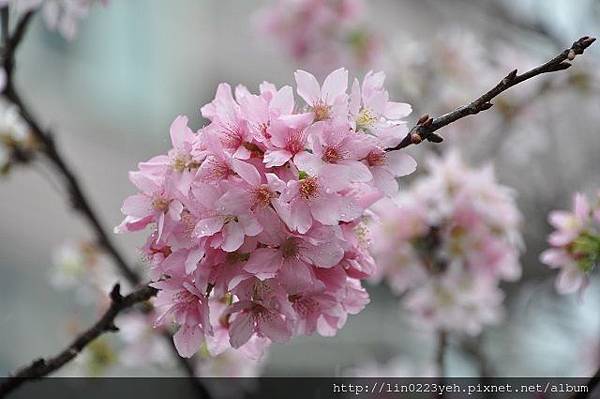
426, 126
43, 367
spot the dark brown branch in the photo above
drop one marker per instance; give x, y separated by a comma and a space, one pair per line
440, 357
78, 197
43, 367
591, 386
426, 126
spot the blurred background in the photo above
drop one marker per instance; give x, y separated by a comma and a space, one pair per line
111, 93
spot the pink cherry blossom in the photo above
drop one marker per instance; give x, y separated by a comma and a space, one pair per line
321, 34
263, 309
373, 113
327, 101
575, 245
335, 156
256, 220
185, 302
446, 243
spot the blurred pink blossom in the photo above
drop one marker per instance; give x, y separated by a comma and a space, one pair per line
446, 244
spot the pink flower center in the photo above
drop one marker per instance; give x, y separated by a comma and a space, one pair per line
376, 158
294, 143
260, 291
189, 222
165, 250
309, 188
231, 138
289, 248
160, 204
331, 155
303, 305
185, 297
262, 196
264, 129
217, 170
322, 111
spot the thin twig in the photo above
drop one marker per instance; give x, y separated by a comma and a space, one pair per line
78, 197
426, 126
43, 367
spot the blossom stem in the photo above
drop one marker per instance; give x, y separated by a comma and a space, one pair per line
78, 197
426, 126
43, 367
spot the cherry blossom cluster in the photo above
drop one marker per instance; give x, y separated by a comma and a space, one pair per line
321, 34
575, 244
447, 243
256, 219
62, 16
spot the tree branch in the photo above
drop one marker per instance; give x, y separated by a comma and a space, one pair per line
440, 357
43, 367
591, 386
79, 199
426, 126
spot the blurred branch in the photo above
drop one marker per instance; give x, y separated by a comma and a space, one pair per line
426, 126
43, 367
591, 385
474, 348
501, 11
440, 356
79, 200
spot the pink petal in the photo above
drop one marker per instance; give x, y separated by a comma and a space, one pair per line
394, 110
554, 257
246, 171
138, 206
307, 162
355, 99
275, 328
143, 182
209, 226
283, 101
335, 85
384, 181
359, 172
178, 131
326, 210
188, 340
276, 158
240, 330
191, 262
264, 263
300, 218
250, 225
324, 255
400, 163
307, 87
570, 280
296, 276
233, 237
